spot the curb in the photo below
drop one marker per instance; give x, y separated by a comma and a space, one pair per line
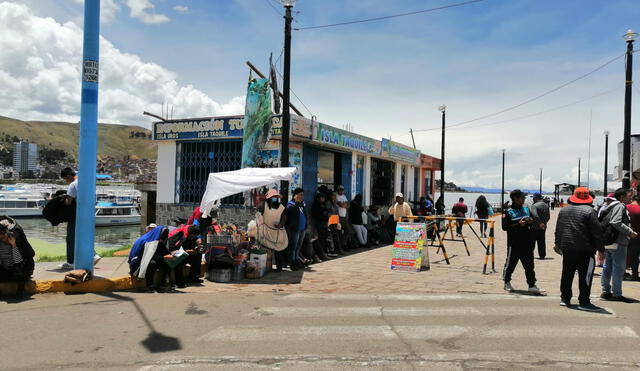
96, 285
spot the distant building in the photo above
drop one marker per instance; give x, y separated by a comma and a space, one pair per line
25, 157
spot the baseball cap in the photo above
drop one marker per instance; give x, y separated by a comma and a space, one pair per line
537, 195
399, 194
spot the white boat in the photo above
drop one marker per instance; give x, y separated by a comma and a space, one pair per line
116, 213
21, 206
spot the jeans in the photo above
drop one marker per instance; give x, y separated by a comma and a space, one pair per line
615, 262
71, 241
296, 238
361, 233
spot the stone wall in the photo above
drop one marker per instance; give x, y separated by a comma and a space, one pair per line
240, 216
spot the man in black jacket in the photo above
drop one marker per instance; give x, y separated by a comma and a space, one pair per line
578, 236
540, 214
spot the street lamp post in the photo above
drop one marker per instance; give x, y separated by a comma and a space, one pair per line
442, 109
579, 159
629, 37
502, 193
606, 162
286, 95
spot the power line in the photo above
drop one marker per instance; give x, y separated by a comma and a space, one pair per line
534, 98
525, 116
274, 8
298, 98
388, 16
541, 112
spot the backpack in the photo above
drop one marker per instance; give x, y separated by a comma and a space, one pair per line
610, 234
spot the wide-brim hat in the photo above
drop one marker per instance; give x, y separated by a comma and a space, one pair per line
272, 193
581, 196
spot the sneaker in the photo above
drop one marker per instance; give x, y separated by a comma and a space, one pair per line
66, 266
508, 287
606, 296
565, 303
621, 299
589, 307
96, 259
534, 289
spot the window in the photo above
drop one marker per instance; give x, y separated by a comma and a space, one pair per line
32, 204
10, 204
124, 211
107, 212
195, 160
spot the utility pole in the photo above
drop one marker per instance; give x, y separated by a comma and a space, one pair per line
442, 109
88, 147
412, 138
606, 162
540, 180
629, 37
502, 193
286, 96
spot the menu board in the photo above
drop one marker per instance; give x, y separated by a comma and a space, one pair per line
409, 252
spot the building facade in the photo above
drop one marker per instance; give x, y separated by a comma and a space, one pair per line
25, 157
190, 149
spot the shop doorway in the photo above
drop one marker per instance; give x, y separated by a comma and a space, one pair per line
329, 169
381, 182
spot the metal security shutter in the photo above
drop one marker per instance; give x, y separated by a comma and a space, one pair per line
197, 159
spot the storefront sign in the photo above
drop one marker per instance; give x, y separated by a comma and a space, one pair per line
300, 127
201, 128
342, 138
409, 251
400, 152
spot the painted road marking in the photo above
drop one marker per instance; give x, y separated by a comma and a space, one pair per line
375, 311
290, 333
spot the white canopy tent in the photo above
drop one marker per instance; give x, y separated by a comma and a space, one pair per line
221, 185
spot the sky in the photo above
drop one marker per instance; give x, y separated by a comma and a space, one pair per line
382, 78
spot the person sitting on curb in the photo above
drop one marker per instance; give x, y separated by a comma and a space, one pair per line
16, 255
578, 236
517, 223
149, 254
186, 236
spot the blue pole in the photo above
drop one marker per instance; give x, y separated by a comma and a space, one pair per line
86, 201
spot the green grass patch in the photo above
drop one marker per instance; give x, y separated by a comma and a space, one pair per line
54, 252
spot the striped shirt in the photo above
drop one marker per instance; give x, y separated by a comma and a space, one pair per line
9, 255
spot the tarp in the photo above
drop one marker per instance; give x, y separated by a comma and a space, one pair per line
221, 185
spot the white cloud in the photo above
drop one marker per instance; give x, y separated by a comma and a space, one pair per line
138, 10
40, 76
181, 9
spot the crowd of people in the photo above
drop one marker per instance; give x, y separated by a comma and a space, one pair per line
582, 231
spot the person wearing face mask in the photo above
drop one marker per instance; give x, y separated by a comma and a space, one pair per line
271, 233
297, 221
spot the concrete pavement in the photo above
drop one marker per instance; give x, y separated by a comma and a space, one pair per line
347, 313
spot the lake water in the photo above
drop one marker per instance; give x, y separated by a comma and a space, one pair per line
106, 237
451, 198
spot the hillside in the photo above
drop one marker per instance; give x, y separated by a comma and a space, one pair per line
113, 140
